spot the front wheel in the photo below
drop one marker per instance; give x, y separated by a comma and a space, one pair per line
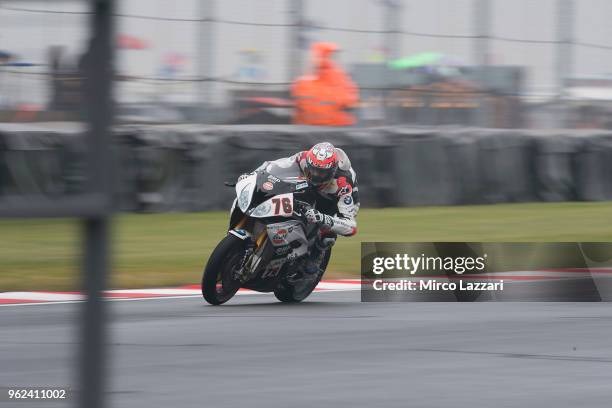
293, 293
218, 283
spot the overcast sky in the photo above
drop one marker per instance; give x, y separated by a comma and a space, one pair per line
29, 34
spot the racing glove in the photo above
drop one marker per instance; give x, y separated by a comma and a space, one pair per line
316, 217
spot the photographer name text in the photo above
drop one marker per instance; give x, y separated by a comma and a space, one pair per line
435, 285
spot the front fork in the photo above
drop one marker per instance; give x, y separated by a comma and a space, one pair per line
253, 253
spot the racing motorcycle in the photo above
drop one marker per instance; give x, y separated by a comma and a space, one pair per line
268, 238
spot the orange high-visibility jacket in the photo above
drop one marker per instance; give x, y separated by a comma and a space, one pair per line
323, 97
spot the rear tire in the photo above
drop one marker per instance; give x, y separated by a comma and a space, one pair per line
218, 285
285, 292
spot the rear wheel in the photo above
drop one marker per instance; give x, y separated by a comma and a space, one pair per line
218, 283
293, 293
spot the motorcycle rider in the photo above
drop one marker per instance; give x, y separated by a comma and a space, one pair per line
327, 169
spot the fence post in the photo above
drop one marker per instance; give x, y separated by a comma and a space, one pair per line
393, 26
482, 34
99, 69
565, 55
205, 62
294, 54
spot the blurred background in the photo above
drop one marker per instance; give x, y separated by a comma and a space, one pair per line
445, 107
470, 62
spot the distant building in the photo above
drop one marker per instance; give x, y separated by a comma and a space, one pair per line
474, 96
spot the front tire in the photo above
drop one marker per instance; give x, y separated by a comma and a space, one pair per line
218, 284
285, 292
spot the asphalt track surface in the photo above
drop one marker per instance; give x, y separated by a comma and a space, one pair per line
331, 351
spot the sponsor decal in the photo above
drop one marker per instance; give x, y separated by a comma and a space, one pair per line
348, 200
279, 236
273, 179
267, 186
301, 185
344, 187
346, 190
271, 272
283, 250
274, 267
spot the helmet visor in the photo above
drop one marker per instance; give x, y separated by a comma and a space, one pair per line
319, 176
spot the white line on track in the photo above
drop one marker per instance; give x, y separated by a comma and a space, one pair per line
199, 295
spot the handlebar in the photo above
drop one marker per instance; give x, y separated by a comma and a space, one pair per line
300, 207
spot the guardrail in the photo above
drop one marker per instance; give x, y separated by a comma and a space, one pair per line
182, 168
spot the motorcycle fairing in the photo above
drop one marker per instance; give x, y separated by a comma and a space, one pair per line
288, 233
244, 191
278, 206
289, 238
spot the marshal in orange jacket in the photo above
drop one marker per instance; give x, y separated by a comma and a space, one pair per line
324, 97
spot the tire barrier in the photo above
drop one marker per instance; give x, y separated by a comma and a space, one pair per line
182, 168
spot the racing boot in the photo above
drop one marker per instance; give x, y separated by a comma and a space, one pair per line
315, 258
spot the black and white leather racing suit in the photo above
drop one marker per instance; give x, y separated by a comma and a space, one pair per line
337, 199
